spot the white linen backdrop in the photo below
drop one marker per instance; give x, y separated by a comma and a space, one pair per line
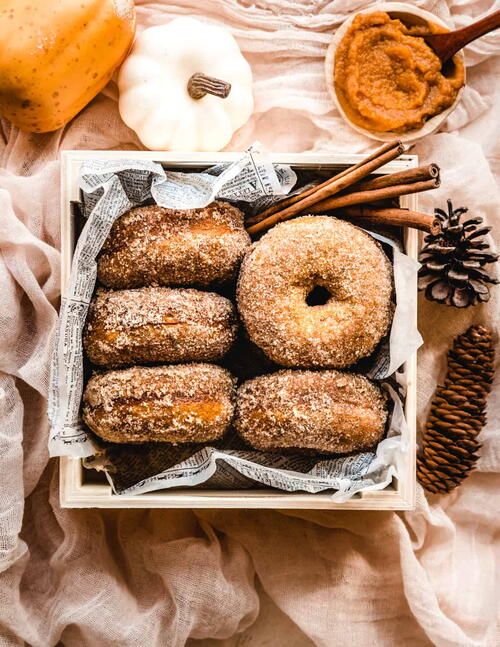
253, 578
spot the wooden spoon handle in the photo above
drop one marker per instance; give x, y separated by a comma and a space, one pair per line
448, 44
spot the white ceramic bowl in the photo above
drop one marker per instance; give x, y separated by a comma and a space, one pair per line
410, 15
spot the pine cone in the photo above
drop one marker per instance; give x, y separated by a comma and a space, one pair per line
452, 261
449, 444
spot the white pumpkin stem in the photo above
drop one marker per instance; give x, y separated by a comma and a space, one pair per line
199, 85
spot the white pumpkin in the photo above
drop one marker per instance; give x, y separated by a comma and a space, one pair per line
167, 99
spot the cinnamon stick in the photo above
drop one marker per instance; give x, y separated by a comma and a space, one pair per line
295, 198
396, 217
371, 196
419, 174
291, 206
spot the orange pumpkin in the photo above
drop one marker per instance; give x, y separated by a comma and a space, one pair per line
56, 55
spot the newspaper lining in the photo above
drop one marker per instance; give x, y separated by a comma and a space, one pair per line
110, 188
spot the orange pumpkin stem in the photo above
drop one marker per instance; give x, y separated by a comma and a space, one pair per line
199, 85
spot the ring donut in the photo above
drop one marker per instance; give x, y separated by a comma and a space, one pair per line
316, 292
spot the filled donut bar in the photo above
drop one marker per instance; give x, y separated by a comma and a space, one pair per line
327, 411
190, 247
182, 403
158, 324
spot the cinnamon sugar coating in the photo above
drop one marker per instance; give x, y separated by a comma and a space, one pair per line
287, 264
183, 403
326, 411
158, 324
189, 247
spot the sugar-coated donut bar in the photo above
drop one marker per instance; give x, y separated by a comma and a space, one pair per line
189, 247
184, 403
312, 254
326, 411
158, 324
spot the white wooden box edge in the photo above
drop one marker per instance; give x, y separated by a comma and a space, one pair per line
76, 493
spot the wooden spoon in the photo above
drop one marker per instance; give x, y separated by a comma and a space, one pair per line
448, 44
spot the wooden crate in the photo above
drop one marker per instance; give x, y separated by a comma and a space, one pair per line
78, 486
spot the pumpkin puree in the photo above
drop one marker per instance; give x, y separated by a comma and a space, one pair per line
387, 79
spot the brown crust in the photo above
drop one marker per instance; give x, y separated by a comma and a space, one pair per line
280, 271
158, 246
325, 411
185, 403
156, 324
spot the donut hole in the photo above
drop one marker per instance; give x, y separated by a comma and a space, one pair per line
318, 296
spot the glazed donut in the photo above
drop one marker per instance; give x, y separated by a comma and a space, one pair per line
191, 247
158, 325
182, 403
326, 411
316, 292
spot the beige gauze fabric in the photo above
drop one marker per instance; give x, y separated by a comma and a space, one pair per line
255, 578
